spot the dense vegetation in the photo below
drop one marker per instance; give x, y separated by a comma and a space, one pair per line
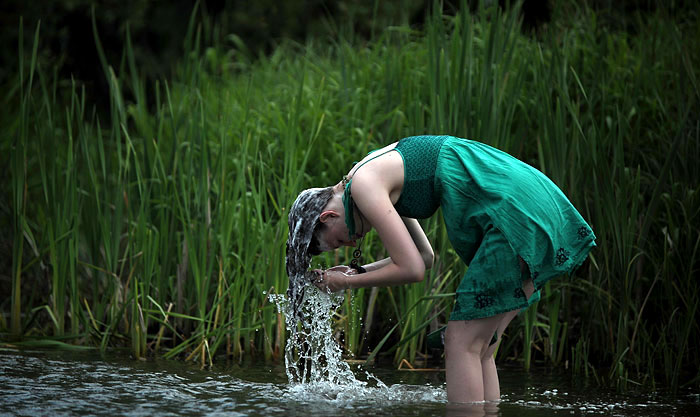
161, 223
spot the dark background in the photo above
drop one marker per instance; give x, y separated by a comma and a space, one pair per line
158, 27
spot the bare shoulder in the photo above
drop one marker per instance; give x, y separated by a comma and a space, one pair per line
380, 172
372, 193
376, 155
373, 199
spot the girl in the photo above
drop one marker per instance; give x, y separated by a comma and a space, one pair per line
507, 221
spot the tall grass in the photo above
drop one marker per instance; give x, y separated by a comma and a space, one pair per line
161, 225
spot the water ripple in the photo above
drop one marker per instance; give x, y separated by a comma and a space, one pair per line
52, 384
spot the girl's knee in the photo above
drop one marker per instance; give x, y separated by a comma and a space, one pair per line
471, 336
461, 340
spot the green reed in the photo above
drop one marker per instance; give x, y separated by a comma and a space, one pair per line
161, 223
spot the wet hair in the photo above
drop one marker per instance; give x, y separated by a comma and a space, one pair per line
315, 244
302, 242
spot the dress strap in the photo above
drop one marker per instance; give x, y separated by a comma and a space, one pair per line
348, 203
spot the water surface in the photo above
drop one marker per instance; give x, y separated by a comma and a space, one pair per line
68, 383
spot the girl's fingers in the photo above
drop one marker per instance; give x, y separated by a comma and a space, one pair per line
341, 268
331, 280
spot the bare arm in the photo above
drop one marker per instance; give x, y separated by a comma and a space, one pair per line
409, 250
421, 241
419, 238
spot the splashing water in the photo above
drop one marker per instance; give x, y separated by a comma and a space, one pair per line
313, 360
315, 368
312, 355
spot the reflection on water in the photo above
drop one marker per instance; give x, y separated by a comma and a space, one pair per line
61, 383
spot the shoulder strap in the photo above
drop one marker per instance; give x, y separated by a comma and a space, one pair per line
348, 204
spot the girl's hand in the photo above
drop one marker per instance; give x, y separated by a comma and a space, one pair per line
333, 280
344, 269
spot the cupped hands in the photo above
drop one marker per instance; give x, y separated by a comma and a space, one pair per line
334, 279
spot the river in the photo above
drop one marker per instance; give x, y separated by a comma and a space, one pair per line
56, 383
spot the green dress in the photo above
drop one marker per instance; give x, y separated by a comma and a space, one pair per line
497, 211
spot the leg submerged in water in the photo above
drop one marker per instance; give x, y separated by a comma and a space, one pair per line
492, 388
469, 349
466, 341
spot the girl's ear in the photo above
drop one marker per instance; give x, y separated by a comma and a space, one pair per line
327, 215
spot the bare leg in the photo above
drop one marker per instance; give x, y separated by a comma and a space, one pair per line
465, 344
492, 389
469, 364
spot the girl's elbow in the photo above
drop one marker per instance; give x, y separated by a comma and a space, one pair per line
417, 273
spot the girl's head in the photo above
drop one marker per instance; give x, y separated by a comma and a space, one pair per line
318, 215
303, 218
330, 231
316, 224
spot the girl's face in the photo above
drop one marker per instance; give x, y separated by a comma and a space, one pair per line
335, 232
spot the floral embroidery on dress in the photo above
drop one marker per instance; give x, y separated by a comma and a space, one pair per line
518, 293
483, 300
561, 257
583, 232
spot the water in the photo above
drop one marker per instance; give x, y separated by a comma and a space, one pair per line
312, 357
68, 383
311, 354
